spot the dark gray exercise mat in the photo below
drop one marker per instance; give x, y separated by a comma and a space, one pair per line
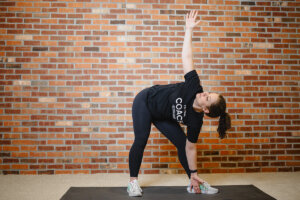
232, 192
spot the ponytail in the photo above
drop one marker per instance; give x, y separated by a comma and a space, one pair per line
224, 124
219, 110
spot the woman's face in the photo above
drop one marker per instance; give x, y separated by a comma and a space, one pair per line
206, 99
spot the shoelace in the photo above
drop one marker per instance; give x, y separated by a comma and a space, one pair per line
135, 186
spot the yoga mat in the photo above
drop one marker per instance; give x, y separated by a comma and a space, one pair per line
232, 192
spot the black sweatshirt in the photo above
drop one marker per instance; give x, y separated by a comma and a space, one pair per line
175, 102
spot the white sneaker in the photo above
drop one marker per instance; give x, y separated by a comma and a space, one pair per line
133, 189
205, 189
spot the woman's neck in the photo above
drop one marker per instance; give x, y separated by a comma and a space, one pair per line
196, 107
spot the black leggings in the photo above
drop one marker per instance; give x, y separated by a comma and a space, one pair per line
142, 120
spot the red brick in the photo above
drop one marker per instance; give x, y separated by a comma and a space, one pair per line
95, 90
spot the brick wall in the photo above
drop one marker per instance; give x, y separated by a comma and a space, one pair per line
70, 71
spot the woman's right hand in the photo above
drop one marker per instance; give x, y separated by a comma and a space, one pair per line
190, 21
195, 182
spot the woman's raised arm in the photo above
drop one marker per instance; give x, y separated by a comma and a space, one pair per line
187, 50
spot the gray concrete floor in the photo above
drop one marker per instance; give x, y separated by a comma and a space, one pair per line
282, 186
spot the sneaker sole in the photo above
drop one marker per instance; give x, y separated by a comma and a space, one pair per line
134, 195
210, 192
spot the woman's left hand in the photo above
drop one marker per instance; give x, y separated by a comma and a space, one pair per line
190, 21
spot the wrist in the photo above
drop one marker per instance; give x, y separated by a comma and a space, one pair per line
193, 171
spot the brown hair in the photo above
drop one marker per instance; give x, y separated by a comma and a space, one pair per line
218, 109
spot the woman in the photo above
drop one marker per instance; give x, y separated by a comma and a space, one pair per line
168, 105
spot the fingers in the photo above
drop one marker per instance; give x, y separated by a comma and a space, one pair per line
195, 185
195, 14
196, 189
192, 14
